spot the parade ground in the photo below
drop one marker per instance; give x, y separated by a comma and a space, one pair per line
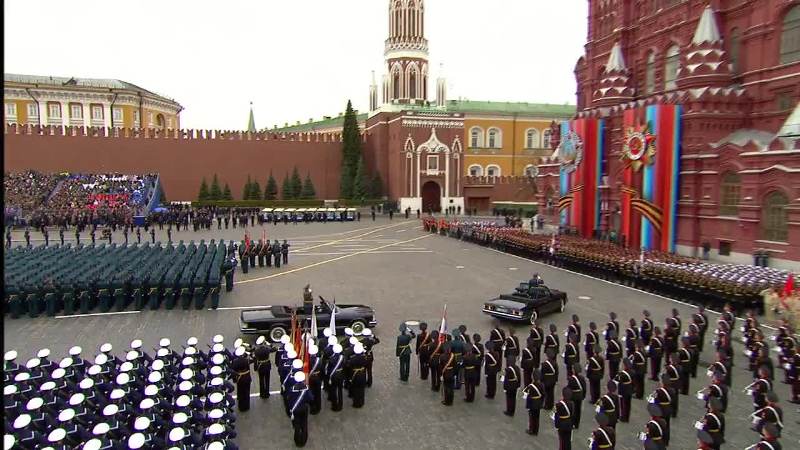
404, 273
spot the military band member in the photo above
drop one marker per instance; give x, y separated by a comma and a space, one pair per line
701, 320
262, 365
595, 369
511, 346
498, 337
299, 399
646, 327
533, 393
713, 423
624, 379
655, 351
771, 413
603, 437
479, 351
653, 435
611, 325
511, 382
609, 404
403, 352
447, 363
549, 371
358, 379
492, 367
242, 378
552, 342
526, 364
630, 337
591, 340
422, 350
571, 354
369, 340
563, 419
534, 343
577, 384
335, 371
663, 397
613, 353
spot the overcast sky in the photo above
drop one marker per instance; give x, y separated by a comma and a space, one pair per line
294, 59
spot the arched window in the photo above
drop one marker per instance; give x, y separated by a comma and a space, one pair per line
475, 170
493, 170
532, 138
530, 170
775, 218
475, 137
546, 138
160, 121
671, 64
396, 86
650, 74
495, 138
412, 85
733, 57
790, 36
729, 190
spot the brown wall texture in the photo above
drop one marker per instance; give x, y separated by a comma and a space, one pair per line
183, 158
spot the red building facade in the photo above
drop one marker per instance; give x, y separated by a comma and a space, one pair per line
733, 68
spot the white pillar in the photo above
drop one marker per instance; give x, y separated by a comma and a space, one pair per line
447, 174
43, 112
65, 113
458, 175
107, 117
410, 169
87, 114
419, 190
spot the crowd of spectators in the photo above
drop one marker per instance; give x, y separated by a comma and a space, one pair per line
39, 200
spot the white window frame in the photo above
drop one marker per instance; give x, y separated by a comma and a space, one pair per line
33, 110
498, 138
116, 114
672, 63
547, 136
479, 170
480, 137
150, 118
531, 138
435, 166
72, 109
11, 110
496, 168
54, 110
97, 108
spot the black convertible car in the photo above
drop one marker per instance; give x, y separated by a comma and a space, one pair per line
527, 303
275, 321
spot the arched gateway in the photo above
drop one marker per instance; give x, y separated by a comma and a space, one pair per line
431, 197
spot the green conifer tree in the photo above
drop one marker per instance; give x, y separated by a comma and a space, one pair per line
226, 193
203, 194
216, 192
296, 183
351, 151
247, 191
376, 186
360, 181
286, 188
271, 191
308, 193
255, 191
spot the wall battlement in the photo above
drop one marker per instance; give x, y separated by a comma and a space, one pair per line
176, 134
505, 179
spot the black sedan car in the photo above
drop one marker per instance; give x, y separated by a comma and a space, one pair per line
275, 321
527, 303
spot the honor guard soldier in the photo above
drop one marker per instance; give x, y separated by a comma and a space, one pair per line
403, 351
673, 373
299, 399
259, 252
685, 360
592, 339
285, 251
478, 349
265, 254
574, 328
653, 435
552, 341
713, 423
771, 413
534, 343
759, 389
631, 337
595, 369
276, 253
358, 378
262, 366
624, 381
613, 353
577, 384
492, 367
655, 351
242, 378
662, 398
533, 394
244, 256
701, 320
433, 362
639, 370
563, 419
447, 365
335, 371
422, 350
315, 378
646, 327
511, 346
792, 367
526, 363
252, 254
549, 372
498, 337
603, 437
571, 355
769, 439
472, 376
609, 404
511, 382
611, 325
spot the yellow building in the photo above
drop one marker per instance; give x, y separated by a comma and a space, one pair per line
46, 100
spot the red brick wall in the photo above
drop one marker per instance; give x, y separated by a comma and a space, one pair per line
184, 160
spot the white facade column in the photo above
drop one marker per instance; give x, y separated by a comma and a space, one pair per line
87, 114
107, 115
410, 167
458, 176
65, 113
43, 112
419, 190
447, 174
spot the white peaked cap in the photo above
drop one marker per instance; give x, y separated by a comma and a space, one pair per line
297, 364
164, 342
327, 332
332, 340
313, 350
261, 340
367, 332
136, 344
285, 339
353, 340
239, 351
192, 341
348, 331
218, 339
291, 354
337, 348
358, 348
300, 377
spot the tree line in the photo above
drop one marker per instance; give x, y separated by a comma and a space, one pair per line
356, 183
292, 188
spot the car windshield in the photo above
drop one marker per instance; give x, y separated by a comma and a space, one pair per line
325, 306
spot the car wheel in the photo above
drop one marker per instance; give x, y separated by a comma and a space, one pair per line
534, 316
276, 333
563, 305
358, 327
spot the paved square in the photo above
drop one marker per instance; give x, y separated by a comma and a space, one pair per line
404, 273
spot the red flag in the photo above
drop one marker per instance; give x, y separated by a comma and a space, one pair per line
788, 288
246, 241
443, 325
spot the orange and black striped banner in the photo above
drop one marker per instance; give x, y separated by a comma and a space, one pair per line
564, 202
652, 212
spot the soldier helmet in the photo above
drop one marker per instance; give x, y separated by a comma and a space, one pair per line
300, 377
654, 410
297, 364
337, 348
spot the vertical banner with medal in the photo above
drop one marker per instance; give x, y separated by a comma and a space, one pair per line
581, 156
651, 154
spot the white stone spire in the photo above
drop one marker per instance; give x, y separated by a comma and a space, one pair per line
707, 30
615, 59
441, 88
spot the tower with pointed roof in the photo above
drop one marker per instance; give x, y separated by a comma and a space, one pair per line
704, 62
251, 122
406, 54
615, 86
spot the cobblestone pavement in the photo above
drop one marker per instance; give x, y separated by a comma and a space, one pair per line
404, 273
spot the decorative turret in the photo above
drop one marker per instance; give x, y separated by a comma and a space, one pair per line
704, 62
615, 85
441, 88
373, 94
251, 122
406, 53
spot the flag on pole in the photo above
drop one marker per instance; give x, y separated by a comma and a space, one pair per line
294, 328
314, 331
246, 241
553, 245
788, 288
443, 326
333, 318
